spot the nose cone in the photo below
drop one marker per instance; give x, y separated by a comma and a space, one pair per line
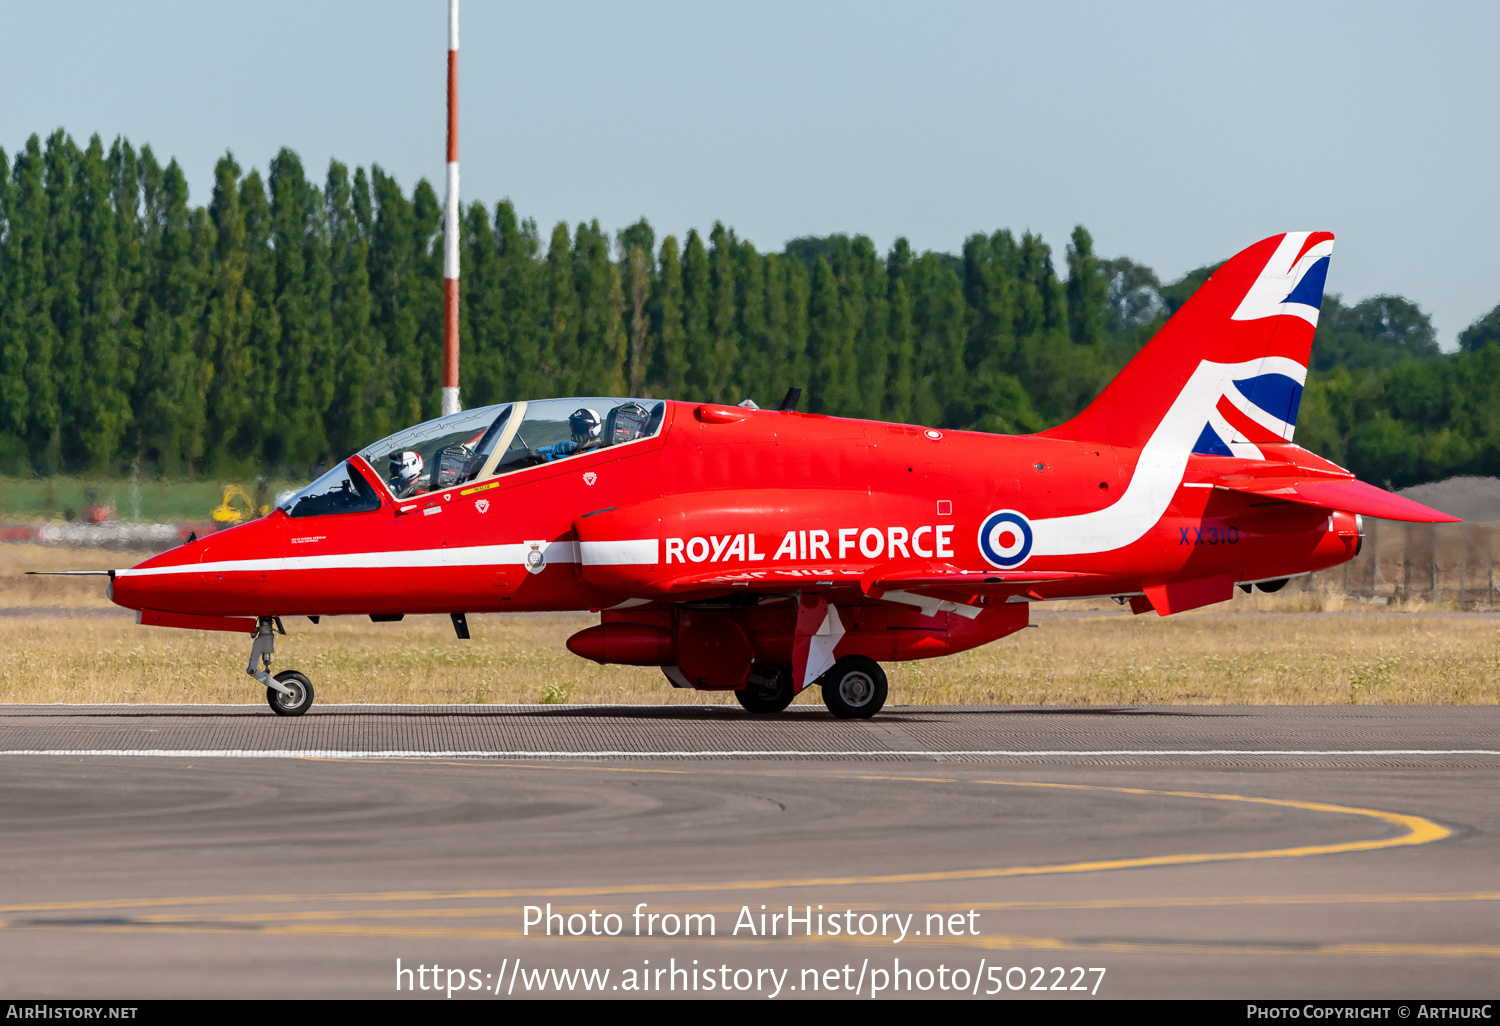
137, 587
213, 575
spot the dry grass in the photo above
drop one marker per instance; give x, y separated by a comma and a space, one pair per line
16, 589
1296, 647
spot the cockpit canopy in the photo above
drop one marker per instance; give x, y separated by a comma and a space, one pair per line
480, 444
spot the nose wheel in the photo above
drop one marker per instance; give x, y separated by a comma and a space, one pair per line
298, 701
289, 693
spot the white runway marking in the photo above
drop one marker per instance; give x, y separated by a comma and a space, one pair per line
315, 753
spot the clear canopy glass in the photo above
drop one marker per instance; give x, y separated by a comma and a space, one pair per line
341, 490
448, 451
493, 440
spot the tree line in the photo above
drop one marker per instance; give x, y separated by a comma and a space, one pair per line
291, 321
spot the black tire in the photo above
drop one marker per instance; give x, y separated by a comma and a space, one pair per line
295, 704
855, 688
1273, 586
768, 691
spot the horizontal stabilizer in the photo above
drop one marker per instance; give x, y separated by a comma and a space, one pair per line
1349, 495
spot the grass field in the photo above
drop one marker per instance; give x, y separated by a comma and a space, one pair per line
147, 499
61, 644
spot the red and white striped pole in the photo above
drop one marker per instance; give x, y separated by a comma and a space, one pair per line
450, 228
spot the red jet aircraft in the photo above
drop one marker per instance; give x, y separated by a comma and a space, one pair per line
761, 551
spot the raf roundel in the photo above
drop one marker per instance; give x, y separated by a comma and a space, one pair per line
1005, 538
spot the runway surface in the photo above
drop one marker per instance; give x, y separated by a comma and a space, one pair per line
158, 851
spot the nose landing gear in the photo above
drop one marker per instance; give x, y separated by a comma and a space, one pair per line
298, 697
289, 693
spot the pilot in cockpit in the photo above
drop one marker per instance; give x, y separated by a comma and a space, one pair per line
585, 426
406, 473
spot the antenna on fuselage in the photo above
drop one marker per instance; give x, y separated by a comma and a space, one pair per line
793, 397
450, 228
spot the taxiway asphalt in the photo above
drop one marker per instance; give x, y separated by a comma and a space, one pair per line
161, 851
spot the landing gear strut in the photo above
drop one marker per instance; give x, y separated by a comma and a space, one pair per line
854, 688
289, 693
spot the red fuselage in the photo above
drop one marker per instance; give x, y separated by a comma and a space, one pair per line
719, 491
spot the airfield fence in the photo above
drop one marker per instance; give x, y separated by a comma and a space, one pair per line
1440, 564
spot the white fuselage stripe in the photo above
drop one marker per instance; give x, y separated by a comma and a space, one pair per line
632, 552
1158, 472
623, 552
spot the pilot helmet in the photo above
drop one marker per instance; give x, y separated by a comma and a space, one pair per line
584, 424
406, 466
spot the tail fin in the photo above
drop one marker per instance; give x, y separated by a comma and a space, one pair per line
1227, 371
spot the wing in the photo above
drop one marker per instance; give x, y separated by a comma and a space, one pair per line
938, 587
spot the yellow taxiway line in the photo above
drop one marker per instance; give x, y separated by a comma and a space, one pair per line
1416, 831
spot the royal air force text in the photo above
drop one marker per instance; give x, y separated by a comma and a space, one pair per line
927, 542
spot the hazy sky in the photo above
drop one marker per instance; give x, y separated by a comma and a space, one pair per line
1177, 133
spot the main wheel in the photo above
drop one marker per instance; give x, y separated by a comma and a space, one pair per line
769, 690
298, 702
854, 688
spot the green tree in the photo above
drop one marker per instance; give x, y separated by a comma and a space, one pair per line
1377, 332
669, 370
940, 392
302, 305
751, 377
1483, 332
793, 354
901, 362
352, 421
12, 356
562, 315
601, 352
1086, 289
829, 345
174, 378
395, 252
636, 246
521, 303
63, 256
231, 312
102, 414
724, 357
425, 295
259, 432
482, 335
697, 321
869, 314
129, 277
29, 337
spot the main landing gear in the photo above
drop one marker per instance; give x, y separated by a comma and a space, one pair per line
289, 693
769, 689
854, 688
